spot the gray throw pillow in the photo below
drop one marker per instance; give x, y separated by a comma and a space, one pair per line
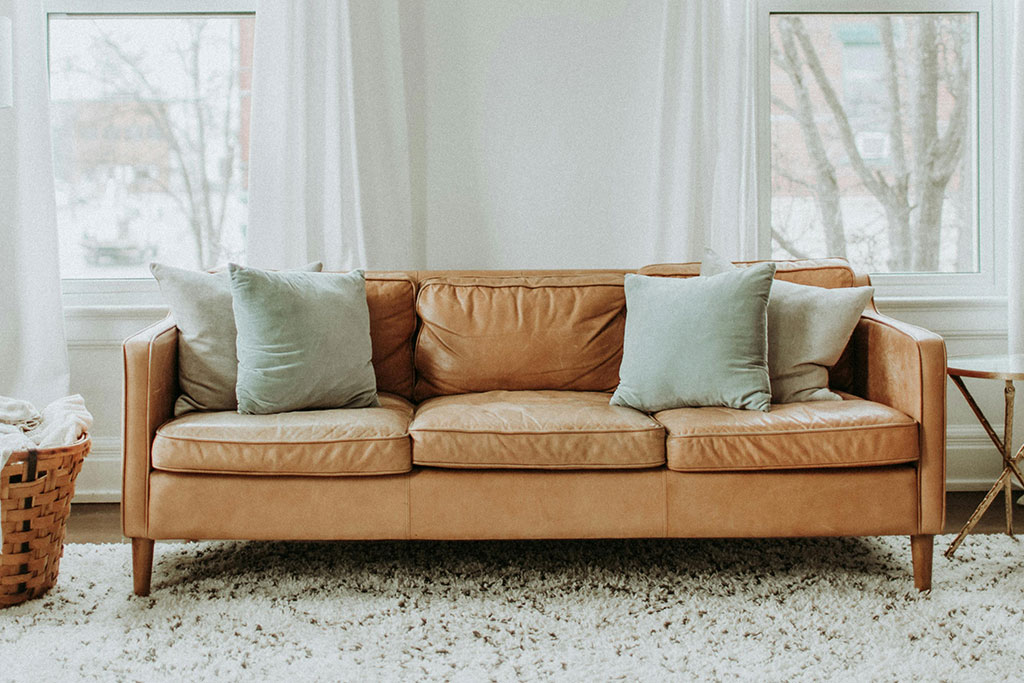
696, 342
303, 341
808, 328
200, 304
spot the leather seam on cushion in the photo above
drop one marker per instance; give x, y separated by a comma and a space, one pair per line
825, 465
773, 432
880, 319
811, 269
921, 437
408, 502
664, 493
539, 465
518, 285
281, 443
251, 473
149, 396
807, 269
433, 430
382, 278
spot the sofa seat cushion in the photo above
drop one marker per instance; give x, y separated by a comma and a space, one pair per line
337, 442
554, 430
815, 434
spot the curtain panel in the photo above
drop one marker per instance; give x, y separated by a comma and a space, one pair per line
329, 169
34, 362
1015, 229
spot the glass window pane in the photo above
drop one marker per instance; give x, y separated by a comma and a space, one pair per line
150, 118
873, 140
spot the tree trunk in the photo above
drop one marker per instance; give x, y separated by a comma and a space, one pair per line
927, 193
896, 201
965, 227
826, 187
927, 227
897, 214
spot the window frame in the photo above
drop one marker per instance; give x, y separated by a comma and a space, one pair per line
140, 291
990, 152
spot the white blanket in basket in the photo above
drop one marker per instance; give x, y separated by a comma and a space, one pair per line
61, 423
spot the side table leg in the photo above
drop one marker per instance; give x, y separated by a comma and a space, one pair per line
1008, 394
978, 512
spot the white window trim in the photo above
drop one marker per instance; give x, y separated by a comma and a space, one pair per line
88, 7
130, 291
991, 150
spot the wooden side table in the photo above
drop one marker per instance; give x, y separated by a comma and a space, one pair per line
1007, 368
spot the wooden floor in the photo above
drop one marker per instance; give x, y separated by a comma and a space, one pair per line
101, 522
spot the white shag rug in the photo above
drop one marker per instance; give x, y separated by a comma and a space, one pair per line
839, 609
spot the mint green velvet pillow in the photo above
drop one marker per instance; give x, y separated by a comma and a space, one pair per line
200, 304
303, 341
696, 342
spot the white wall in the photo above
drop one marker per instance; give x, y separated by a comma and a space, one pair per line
541, 128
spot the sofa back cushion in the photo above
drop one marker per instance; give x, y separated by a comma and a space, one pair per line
558, 331
827, 272
391, 298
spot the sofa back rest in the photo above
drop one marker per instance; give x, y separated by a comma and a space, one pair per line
828, 273
391, 298
557, 330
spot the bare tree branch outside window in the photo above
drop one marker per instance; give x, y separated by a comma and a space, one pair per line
150, 148
872, 130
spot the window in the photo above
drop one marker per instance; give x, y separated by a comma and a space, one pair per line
150, 118
877, 121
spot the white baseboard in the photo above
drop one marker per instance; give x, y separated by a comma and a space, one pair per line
96, 496
100, 478
972, 485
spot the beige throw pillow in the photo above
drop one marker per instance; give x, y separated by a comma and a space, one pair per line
808, 328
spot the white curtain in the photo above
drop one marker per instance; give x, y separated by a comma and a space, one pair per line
707, 193
464, 134
1016, 185
329, 173
33, 352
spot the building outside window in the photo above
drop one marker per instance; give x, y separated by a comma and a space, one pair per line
150, 127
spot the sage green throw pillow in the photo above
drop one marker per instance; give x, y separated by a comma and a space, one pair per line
696, 342
200, 304
808, 328
303, 341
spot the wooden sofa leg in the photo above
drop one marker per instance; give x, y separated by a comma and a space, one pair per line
142, 565
921, 550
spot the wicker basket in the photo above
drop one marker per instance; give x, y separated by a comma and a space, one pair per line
35, 498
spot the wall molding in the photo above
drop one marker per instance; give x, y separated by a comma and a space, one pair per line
975, 484
942, 304
973, 335
960, 436
74, 313
94, 344
100, 478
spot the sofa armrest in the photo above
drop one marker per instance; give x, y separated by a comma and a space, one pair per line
150, 390
904, 366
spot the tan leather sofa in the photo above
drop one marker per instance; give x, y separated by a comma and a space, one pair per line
495, 424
